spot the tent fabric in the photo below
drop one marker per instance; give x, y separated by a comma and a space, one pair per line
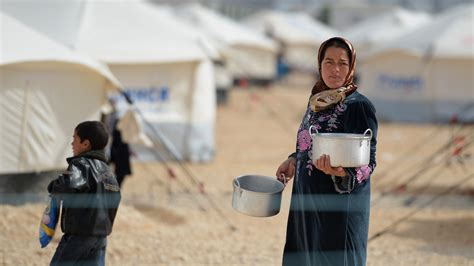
202, 113
425, 75
250, 62
39, 108
223, 29
191, 31
291, 27
247, 53
40, 88
164, 68
223, 79
147, 36
43, 16
16, 47
377, 30
177, 101
156, 59
299, 35
83, 22
449, 35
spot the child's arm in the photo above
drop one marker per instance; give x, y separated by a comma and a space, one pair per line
75, 180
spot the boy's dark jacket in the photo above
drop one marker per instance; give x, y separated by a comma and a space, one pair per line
90, 194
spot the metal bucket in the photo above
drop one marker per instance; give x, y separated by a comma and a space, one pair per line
344, 150
257, 195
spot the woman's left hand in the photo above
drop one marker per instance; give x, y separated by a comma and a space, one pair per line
324, 164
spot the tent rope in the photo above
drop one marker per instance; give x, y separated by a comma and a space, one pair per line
393, 225
176, 158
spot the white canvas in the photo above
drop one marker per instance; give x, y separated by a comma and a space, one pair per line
298, 34
247, 53
426, 75
45, 91
378, 30
148, 48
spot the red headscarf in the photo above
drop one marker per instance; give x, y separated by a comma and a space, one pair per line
349, 81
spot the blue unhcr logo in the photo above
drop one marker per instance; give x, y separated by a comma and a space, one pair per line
148, 95
405, 83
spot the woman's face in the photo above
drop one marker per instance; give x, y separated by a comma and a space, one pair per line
335, 67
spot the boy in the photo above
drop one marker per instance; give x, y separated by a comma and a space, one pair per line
90, 195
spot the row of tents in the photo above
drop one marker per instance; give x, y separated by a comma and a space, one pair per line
60, 61
425, 73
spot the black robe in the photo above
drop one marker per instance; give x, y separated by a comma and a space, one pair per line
120, 155
328, 221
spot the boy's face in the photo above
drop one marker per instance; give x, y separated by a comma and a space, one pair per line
79, 146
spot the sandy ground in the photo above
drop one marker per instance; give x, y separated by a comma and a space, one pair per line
165, 221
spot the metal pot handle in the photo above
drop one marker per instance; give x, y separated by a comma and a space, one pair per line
311, 127
365, 133
236, 183
370, 131
237, 186
285, 181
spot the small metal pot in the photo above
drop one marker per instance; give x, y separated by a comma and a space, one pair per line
257, 195
344, 150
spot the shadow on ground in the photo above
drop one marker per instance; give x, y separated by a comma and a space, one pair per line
439, 238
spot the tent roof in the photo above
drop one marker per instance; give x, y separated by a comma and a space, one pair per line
450, 34
291, 27
21, 44
192, 31
385, 26
223, 30
134, 32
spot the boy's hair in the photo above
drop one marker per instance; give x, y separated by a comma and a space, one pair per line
95, 132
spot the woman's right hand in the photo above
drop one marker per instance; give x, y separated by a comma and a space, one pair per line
286, 170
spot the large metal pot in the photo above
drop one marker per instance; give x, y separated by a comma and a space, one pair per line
345, 150
257, 195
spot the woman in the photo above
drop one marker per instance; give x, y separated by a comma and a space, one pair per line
120, 155
120, 151
329, 214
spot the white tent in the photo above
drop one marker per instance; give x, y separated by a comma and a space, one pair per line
164, 69
247, 53
298, 33
45, 91
426, 74
223, 78
382, 28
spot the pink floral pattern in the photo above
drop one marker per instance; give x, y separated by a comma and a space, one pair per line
363, 173
324, 118
330, 117
334, 120
304, 140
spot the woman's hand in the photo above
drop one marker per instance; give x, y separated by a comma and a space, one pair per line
286, 170
324, 164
